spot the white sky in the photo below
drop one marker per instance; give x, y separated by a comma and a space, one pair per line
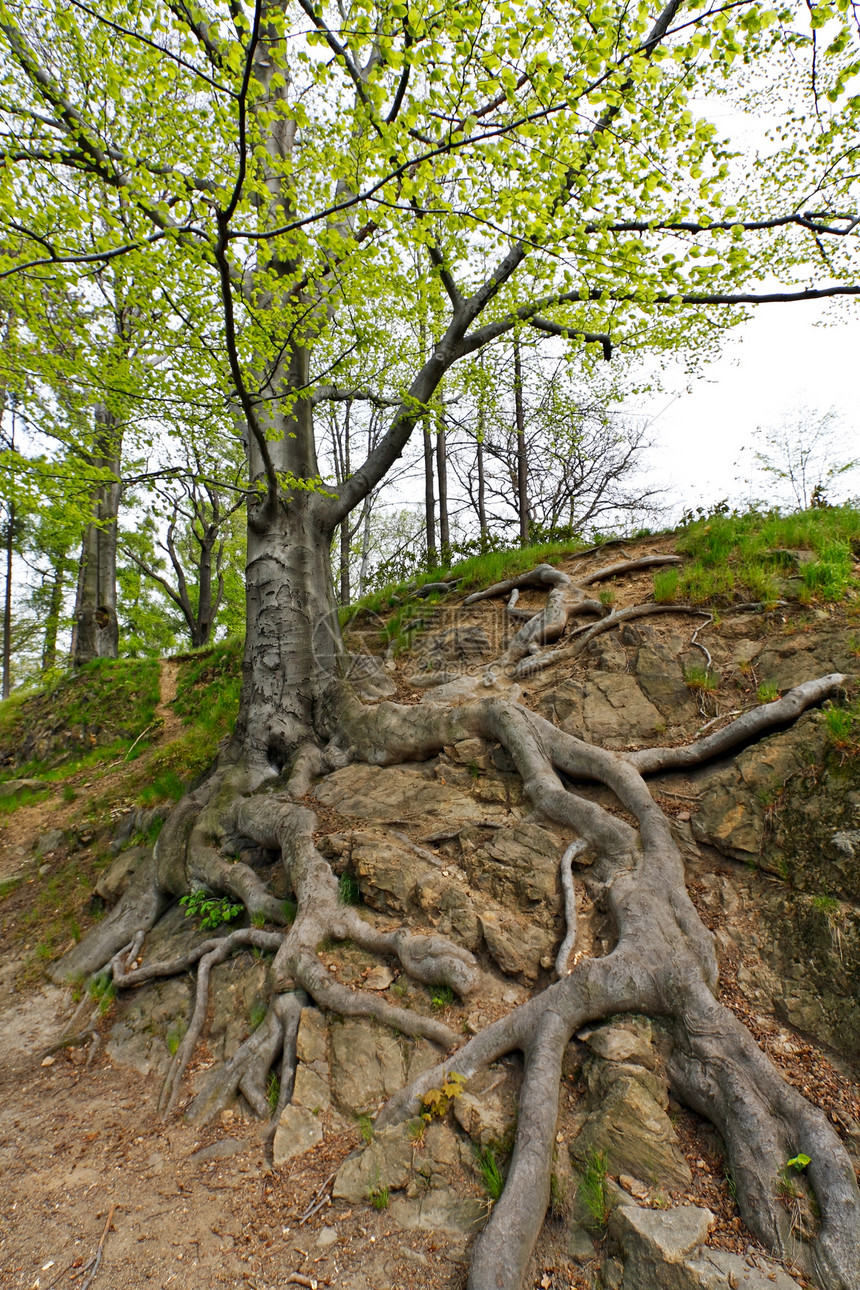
786, 358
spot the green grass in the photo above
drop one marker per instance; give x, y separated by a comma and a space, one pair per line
474, 573
702, 679
107, 703
750, 557
491, 1175
843, 729
592, 1189
348, 891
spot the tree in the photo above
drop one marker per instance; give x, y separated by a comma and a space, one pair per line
806, 454
284, 160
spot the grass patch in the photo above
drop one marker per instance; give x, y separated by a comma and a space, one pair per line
764, 556
108, 702
592, 1189
491, 1175
843, 729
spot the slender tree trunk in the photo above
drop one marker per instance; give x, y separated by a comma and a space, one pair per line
482, 483
365, 547
442, 471
52, 619
201, 631
344, 562
429, 499
522, 460
7, 604
97, 629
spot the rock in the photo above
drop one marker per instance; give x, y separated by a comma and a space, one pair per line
662, 681
312, 1037
10, 788
487, 1107
514, 944
312, 1089
49, 842
580, 1246
386, 1162
441, 1209
113, 883
369, 677
619, 1044
378, 978
367, 1065
395, 794
626, 1121
223, 1149
139, 1037
298, 1130
517, 866
325, 1237
665, 1250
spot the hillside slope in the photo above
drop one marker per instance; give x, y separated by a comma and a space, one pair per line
450, 845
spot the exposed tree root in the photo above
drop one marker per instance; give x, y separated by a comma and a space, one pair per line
663, 961
566, 600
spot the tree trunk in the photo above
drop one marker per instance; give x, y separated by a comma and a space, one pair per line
442, 470
429, 500
522, 461
7, 604
344, 562
97, 629
52, 619
482, 483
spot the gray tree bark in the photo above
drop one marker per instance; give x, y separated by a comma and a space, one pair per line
96, 629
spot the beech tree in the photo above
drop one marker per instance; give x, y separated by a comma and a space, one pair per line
269, 169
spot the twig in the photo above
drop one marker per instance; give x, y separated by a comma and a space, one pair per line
138, 739
318, 1199
97, 1257
698, 645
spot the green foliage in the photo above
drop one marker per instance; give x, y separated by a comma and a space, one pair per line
767, 692
95, 712
843, 729
102, 991
257, 1012
348, 890
798, 1162
666, 586
210, 911
701, 679
175, 1035
273, 1090
441, 996
365, 1126
379, 1197
491, 1175
592, 1189
751, 556
437, 1100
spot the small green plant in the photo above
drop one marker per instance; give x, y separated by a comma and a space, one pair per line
491, 1175
843, 729
592, 1189
257, 1014
210, 911
348, 891
474, 770
606, 596
666, 586
437, 1100
767, 692
701, 679
378, 1197
69, 793
441, 996
273, 1090
102, 991
825, 905
175, 1035
798, 1162
258, 919
365, 1126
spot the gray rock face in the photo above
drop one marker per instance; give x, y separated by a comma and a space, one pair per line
665, 1250
367, 1065
367, 674
11, 788
298, 1130
113, 883
626, 1118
